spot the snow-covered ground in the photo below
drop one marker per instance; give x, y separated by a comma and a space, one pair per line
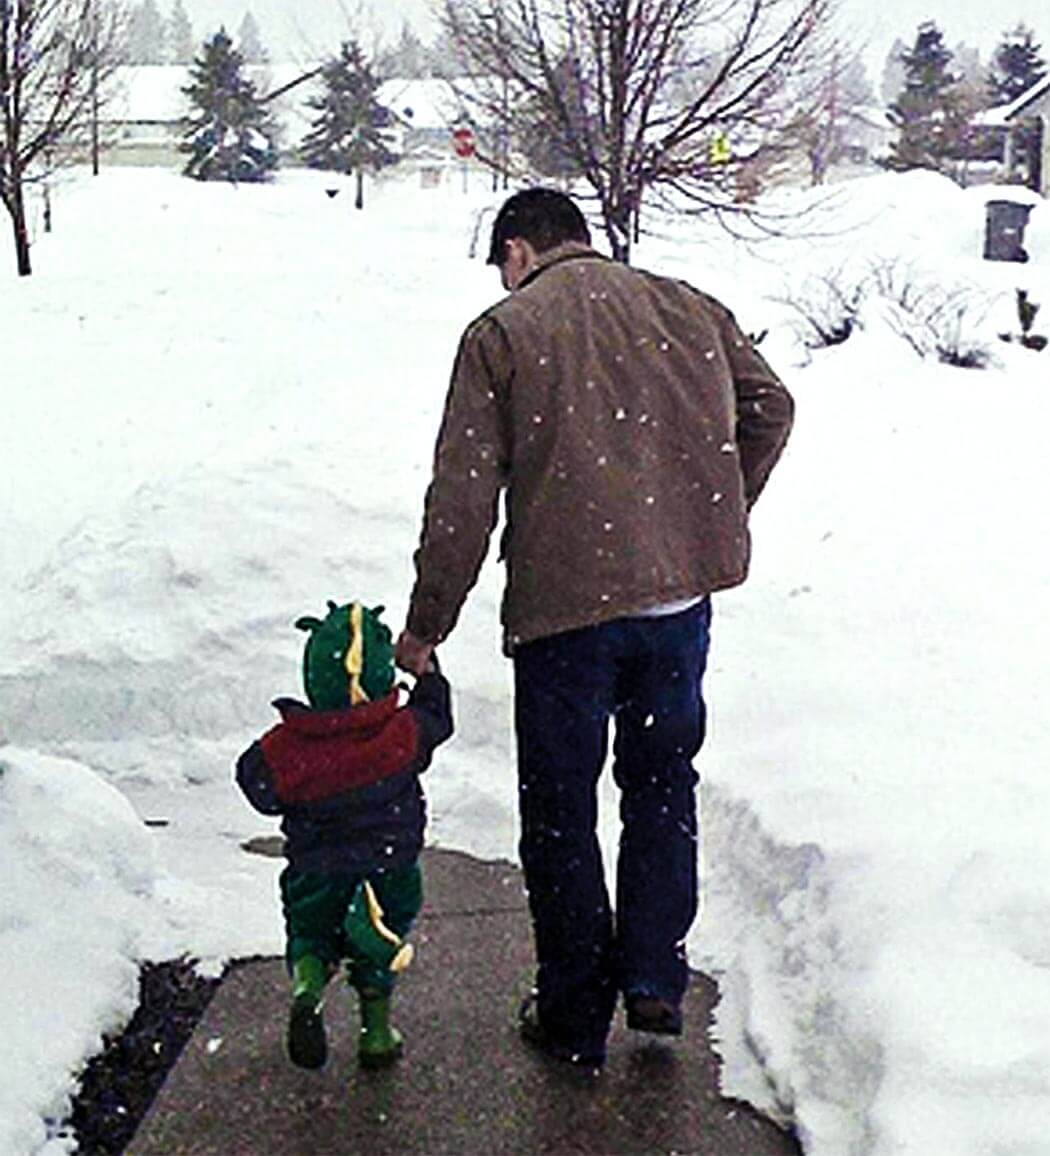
219, 409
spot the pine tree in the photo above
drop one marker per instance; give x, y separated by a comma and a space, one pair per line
967, 64
408, 59
930, 111
348, 135
180, 35
1017, 65
250, 41
231, 136
893, 72
146, 34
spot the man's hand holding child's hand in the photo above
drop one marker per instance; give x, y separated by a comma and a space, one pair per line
413, 655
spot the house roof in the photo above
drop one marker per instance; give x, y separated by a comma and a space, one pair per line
431, 103
1026, 99
153, 94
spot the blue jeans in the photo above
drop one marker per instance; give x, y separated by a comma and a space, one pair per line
646, 674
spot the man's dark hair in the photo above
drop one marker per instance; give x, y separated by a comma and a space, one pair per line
543, 217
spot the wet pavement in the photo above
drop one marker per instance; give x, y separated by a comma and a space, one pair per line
466, 1084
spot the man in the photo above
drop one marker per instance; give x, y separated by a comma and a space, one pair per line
632, 426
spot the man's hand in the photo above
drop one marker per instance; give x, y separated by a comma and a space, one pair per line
412, 655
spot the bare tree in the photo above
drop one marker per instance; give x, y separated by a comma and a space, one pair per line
837, 107
55, 59
688, 98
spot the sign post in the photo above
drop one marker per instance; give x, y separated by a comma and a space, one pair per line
463, 147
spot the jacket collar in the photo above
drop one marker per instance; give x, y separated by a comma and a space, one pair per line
567, 251
362, 719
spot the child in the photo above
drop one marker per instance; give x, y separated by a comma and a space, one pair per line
344, 773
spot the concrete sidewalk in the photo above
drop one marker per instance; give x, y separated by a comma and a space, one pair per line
466, 1085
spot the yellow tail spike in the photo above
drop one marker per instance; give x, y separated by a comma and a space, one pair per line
403, 958
375, 915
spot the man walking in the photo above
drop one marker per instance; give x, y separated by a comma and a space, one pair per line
632, 425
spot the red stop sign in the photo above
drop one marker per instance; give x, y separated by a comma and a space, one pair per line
463, 142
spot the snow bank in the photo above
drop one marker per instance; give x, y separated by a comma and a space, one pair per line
76, 890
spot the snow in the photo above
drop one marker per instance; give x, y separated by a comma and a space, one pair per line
72, 843
426, 104
220, 407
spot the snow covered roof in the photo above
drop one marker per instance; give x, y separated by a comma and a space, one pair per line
430, 103
1026, 98
872, 115
992, 117
148, 92
153, 92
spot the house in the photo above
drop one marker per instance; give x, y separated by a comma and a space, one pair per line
144, 113
867, 135
143, 117
425, 112
1027, 120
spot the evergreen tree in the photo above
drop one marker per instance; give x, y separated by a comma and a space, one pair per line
930, 111
146, 34
408, 59
445, 59
250, 41
231, 135
180, 35
967, 64
893, 72
1017, 65
348, 135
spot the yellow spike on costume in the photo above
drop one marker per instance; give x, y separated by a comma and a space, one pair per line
375, 914
403, 958
355, 655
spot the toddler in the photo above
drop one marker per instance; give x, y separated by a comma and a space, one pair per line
343, 772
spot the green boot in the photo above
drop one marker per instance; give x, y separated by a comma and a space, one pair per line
307, 1044
380, 1044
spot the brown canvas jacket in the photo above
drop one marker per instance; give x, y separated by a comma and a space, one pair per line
632, 425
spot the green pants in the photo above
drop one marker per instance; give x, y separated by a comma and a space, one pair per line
315, 908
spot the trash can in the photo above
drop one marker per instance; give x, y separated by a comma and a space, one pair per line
1005, 223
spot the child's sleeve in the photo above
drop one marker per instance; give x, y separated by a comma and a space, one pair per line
431, 703
255, 779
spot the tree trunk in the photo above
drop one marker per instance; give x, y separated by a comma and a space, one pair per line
16, 207
95, 149
359, 199
617, 213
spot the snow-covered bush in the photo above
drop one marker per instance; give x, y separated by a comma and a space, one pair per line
826, 308
935, 319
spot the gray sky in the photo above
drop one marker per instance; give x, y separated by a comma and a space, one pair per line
300, 25
301, 28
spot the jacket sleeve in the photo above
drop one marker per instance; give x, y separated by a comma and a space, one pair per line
431, 703
470, 468
764, 409
256, 781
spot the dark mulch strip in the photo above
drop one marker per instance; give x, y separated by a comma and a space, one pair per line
119, 1084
